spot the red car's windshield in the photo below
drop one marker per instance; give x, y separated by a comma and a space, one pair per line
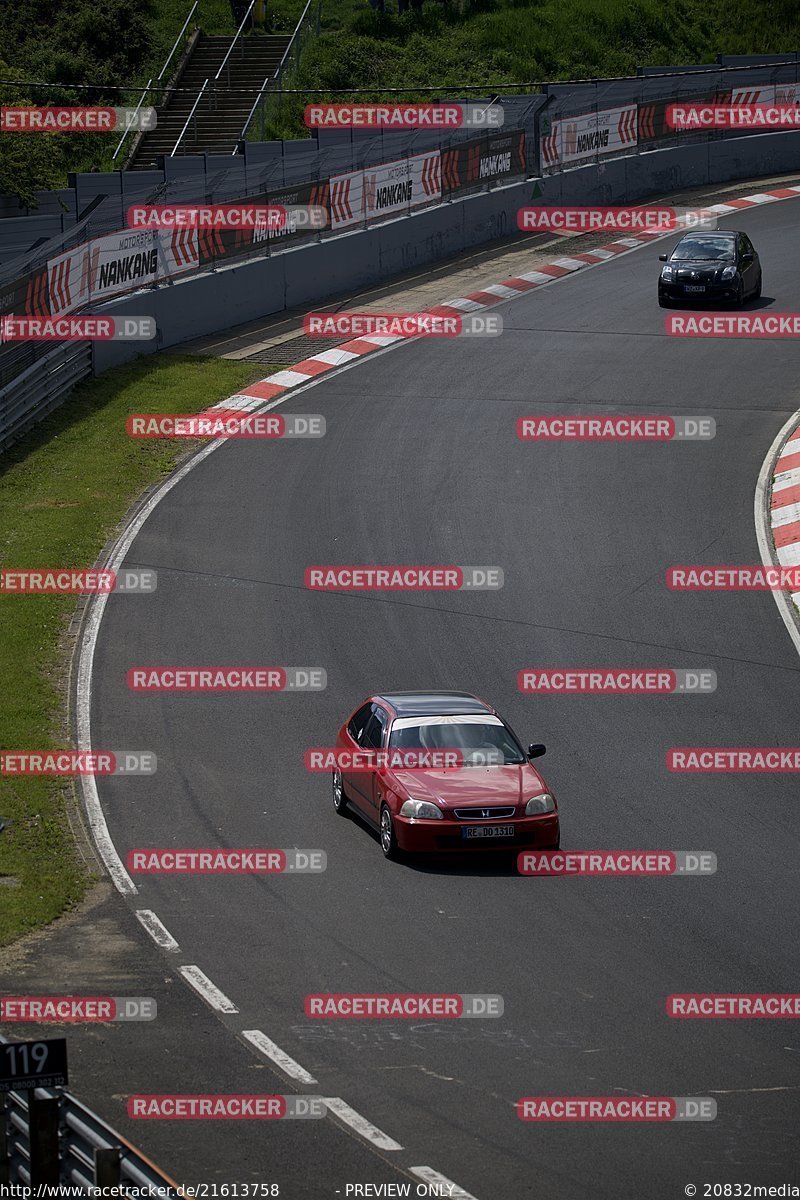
479, 737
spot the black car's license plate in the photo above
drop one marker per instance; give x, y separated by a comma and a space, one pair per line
487, 831
694, 287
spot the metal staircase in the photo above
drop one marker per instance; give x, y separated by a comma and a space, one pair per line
215, 92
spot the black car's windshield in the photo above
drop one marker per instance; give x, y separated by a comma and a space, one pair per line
705, 249
482, 740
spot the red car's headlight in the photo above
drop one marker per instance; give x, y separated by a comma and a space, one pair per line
421, 808
540, 804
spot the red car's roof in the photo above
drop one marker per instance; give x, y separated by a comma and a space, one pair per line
431, 704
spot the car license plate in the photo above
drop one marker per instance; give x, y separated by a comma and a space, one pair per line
694, 287
487, 831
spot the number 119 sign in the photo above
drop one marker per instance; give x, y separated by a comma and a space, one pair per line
25, 1065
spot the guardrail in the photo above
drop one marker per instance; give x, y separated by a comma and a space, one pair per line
178, 40
306, 27
40, 389
49, 1137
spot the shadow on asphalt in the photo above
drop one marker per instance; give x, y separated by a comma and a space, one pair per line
489, 864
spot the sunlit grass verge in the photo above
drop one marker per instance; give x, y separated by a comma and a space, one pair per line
63, 492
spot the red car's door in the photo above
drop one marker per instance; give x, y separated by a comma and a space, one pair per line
364, 732
350, 739
376, 738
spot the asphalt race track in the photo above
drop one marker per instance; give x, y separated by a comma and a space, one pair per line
421, 464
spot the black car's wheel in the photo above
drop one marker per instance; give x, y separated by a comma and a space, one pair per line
388, 839
757, 292
739, 301
339, 798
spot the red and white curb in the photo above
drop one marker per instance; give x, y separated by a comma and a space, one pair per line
253, 396
785, 505
777, 513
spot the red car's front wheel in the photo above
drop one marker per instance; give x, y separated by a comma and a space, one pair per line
388, 839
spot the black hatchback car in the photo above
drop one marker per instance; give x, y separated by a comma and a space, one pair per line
719, 264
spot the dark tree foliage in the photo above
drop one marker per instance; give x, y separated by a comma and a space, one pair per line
104, 43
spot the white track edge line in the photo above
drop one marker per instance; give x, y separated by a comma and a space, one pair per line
279, 1057
209, 991
428, 1175
359, 1124
156, 928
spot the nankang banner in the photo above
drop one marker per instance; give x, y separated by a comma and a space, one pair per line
104, 267
590, 135
492, 156
402, 185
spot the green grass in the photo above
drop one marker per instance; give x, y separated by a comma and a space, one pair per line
213, 17
522, 41
63, 491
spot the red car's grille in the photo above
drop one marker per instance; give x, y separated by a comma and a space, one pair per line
484, 814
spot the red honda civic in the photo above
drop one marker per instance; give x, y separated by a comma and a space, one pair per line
433, 771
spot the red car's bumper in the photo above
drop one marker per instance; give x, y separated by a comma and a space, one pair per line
417, 836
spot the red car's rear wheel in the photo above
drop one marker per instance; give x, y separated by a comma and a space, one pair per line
339, 798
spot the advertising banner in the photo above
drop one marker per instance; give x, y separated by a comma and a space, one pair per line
105, 267
403, 185
492, 156
347, 199
589, 135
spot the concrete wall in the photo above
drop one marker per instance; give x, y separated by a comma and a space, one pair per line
215, 301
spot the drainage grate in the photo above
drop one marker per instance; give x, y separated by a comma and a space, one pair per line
295, 349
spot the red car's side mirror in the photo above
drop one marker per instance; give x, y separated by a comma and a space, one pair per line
536, 750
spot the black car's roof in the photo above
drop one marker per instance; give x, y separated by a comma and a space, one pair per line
701, 233
431, 704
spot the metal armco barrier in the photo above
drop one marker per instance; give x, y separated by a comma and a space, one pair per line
41, 388
49, 1137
